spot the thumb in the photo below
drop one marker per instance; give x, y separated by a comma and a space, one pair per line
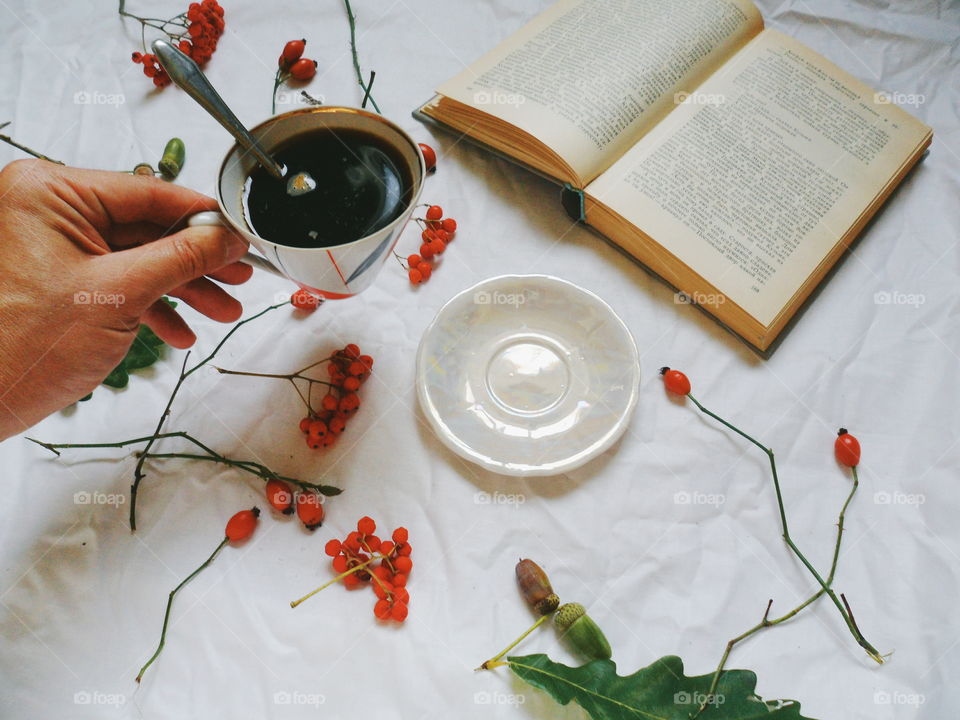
156, 268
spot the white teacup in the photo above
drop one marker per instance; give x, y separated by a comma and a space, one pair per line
331, 272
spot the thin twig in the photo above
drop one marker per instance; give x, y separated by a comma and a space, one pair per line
858, 636
353, 51
10, 141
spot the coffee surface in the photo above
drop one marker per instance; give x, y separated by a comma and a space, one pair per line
361, 187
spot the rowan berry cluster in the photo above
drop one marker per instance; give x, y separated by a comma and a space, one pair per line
354, 558
437, 232
195, 32
348, 370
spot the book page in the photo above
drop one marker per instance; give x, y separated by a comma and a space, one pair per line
589, 77
760, 176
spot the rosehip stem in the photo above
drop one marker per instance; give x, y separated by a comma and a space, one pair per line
356, 60
824, 585
766, 622
10, 141
495, 660
166, 615
338, 578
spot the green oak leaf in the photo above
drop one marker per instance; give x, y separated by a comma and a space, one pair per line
144, 352
659, 691
118, 377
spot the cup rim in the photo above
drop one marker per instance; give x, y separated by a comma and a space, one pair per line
335, 109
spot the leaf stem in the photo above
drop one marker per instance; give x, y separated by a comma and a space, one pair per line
851, 626
494, 662
166, 615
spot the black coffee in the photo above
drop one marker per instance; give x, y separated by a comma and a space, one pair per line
362, 185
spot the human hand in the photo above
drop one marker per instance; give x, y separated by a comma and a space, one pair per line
85, 257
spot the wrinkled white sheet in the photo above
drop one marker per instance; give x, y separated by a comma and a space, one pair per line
81, 599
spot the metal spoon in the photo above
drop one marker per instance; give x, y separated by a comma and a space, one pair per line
185, 73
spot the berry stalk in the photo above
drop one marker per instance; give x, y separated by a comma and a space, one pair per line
338, 578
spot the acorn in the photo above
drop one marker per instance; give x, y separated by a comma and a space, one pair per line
173, 156
535, 587
583, 634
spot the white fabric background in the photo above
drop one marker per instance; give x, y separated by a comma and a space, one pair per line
81, 599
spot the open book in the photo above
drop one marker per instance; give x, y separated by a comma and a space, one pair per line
734, 162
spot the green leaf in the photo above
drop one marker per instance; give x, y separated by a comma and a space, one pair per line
118, 377
659, 691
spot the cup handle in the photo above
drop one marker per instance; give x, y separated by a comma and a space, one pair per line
256, 261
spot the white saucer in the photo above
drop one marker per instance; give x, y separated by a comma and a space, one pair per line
527, 375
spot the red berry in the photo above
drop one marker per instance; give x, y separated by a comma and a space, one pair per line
438, 246
403, 564
291, 53
366, 525
404, 549
675, 381
279, 496
332, 548
414, 260
305, 424
449, 224
356, 368
434, 212
318, 428
427, 235
310, 510
399, 580
399, 612
386, 547
847, 448
426, 270
242, 525
349, 403
329, 402
426, 250
302, 300
328, 440
352, 351
441, 234
352, 581
352, 384
313, 442
429, 156
340, 563
400, 535
382, 589
137, 57
416, 277
382, 609
303, 69
336, 425
367, 361
401, 595
353, 541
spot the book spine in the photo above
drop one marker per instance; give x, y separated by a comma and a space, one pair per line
571, 199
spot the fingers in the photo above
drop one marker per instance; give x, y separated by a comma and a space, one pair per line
148, 271
133, 234
168, 325
132, 198
235, 274
210, 299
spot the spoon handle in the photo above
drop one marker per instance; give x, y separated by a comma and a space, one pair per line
185, 73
